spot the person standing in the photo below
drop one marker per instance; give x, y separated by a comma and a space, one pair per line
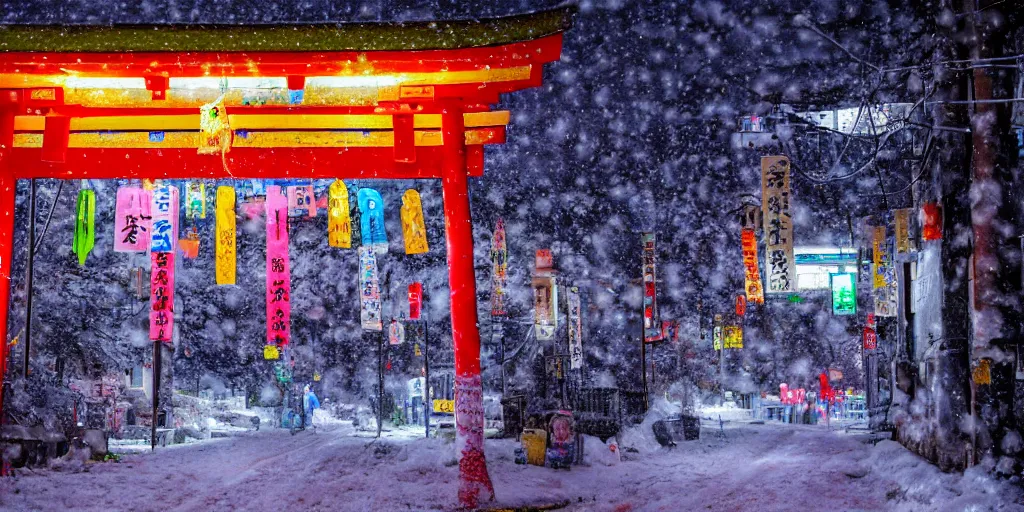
309, 404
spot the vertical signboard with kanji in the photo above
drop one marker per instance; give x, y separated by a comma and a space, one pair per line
778, 224
652, 324
339, 223
901, 224
545, 303
575, 322
752, 274
161, 298
369, 290
499, 269
844, 293
884, 282
164, 235
415, 300
132, 220
278, 272
225, 236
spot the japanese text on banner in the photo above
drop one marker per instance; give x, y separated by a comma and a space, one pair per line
778, 224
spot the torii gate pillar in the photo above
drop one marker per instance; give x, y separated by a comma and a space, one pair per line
8, 186
469, 406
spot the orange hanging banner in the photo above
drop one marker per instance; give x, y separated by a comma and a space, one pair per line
755, 294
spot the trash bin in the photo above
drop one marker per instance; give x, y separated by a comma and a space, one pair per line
535, 441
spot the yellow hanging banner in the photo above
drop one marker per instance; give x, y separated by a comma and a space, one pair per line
902, 226
414, 230
339, 225
225, 243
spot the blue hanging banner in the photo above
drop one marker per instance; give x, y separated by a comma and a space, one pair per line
371, 208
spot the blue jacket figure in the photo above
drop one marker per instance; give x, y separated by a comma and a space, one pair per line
309, 404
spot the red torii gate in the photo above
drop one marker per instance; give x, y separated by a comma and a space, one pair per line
353, 101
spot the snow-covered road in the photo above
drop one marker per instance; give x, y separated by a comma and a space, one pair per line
753, 467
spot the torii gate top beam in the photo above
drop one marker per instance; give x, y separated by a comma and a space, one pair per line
345, 100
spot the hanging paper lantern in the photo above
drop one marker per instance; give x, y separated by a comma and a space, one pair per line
190, 245
339, 225
225, 236
85, 236
372, 222
414, 229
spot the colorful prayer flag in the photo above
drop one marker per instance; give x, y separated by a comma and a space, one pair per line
226, 243
132, 220
85, 221
369, 290
195, 200
164, 234
575, 323
752, 274
339, 224
414, 229
778, 224
161, 297
278, 269
499, 269
371, 207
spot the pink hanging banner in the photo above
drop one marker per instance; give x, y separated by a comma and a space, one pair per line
278, 270
132, 220
161, 298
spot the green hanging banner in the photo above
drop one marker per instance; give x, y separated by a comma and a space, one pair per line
844, 293
85, 236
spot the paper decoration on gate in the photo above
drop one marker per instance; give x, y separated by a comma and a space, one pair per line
901, 224
499, 269
396, 332
884, 281
652, 324
931, 222
752, 274
214, 130
575, 322
85, 221
415, 300
369, 290
301, 201
844, 293
339, 225
414, 229
132, 219
195, 200
371, 224
226, 243
161, 296
733, 336
164, 234
278, 270
778, 225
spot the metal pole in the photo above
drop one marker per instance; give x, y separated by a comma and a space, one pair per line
157, 367
643, 361
29, 271
427, 404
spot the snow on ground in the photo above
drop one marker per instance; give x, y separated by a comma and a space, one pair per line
751, 467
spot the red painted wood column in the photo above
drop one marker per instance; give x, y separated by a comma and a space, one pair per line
474, 480
8, 185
